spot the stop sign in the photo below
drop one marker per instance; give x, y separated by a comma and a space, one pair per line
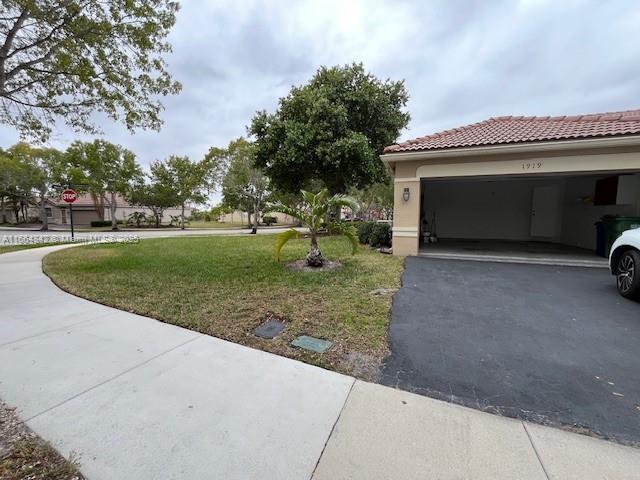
69, 196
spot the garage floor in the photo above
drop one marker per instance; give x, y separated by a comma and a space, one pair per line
550, 344
512, 251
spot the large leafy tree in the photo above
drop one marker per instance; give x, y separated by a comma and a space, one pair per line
68, 59
187, 180
157, 193
15, 184
312, 213
332, 129
244, 186
40, 169
104, 169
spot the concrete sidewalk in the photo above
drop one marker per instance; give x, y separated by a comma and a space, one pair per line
136, 398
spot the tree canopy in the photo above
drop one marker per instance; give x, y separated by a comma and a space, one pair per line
185, 180
332, 129
244, 185
67, 60
104, 168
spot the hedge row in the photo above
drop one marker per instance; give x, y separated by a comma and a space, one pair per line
375, 234
104, 223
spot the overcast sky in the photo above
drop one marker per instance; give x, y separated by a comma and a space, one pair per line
463, 61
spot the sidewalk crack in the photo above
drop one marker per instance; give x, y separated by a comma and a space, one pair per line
346, 399
535, 450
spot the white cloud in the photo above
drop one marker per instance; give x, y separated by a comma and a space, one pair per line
463, 61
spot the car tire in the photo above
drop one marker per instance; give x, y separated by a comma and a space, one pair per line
628, 275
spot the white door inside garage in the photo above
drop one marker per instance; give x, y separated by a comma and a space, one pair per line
555, 209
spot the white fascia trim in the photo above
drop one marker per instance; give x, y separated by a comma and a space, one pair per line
405, 229
633, 140
406, 234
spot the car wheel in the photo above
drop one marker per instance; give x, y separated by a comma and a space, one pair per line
628, 274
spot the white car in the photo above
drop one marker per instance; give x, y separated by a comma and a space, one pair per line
624, 262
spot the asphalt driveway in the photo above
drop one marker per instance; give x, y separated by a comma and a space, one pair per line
554, 345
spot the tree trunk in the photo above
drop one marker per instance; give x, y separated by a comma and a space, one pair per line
256, 217
112, 209
4, 214
249, 223
314, 257
182, 218
43, 212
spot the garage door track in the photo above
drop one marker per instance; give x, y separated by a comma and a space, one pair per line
554, 345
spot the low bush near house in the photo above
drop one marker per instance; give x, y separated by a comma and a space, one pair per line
364, 232
380, 235
267, 220
103, 223
375, 234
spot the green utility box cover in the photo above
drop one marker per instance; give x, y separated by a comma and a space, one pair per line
614, 226
311, 343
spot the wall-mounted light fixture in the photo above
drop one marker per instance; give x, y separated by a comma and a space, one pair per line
406, 194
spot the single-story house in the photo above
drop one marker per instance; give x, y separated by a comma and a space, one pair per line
516, 179
238, 216
85, 211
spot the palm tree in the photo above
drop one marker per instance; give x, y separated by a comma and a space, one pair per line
312, 214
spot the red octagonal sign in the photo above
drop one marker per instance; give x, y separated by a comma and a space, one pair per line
69, 196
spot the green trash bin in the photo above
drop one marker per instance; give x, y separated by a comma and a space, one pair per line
614, 226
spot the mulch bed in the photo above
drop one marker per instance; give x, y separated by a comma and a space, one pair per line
301, 265
25, 456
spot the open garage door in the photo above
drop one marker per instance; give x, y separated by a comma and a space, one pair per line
540, 216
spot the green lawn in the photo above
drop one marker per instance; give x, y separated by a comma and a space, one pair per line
227, 286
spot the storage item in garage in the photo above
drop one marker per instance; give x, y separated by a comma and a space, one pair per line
614, 226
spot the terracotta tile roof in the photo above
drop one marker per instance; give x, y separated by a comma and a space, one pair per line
505, 130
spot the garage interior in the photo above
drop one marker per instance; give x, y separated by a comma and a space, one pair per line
549, 218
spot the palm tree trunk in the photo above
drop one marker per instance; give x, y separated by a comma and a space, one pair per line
314, 257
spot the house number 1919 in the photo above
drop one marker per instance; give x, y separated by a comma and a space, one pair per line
531, 165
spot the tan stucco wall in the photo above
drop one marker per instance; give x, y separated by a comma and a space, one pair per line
406, 218
407, 173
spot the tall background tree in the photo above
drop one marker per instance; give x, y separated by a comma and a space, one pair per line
156, 193
40, 169
104, 169
244, 186
332, 129
68, 59
187, 180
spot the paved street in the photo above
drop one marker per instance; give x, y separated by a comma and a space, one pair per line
137, 398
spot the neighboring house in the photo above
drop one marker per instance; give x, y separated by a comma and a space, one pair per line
241, 217
85, 211
546, 179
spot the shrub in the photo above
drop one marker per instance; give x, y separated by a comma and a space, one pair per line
380, 235
364, 232
104, 223
207, 217
268, 220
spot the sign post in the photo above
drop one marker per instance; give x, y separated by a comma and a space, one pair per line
70, 196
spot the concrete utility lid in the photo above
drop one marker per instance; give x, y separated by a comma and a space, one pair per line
311, 343
269, 329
